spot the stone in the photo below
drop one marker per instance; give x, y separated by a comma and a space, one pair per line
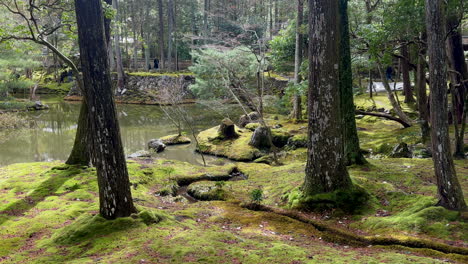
420, 151
157, 145
401, 150
38, 106
227, 129
260, 138
297, 141
252, 126
139, 154
252, 117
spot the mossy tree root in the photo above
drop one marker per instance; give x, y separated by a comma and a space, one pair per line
333, 234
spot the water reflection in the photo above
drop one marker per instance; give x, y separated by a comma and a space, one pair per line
52, 131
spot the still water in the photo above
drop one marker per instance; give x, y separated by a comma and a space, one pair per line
52, 134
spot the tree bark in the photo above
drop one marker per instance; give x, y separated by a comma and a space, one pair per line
170, 29
106, 148
118, 51
162, 64
449, 189
459, 80
352, 149
325, 169
422, 94
297, 102
405, 69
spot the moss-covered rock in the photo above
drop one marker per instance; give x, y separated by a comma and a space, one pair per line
280, 137
235, 149
252, 126
175, 140
207, 191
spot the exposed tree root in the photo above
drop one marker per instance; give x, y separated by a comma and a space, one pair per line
336, 235
387, 116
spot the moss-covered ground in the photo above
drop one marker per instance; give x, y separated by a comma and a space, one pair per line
49, 212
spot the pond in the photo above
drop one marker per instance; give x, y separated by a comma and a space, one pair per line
52, 131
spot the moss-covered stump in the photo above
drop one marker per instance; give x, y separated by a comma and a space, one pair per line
227, 129
207, 191
235, 148
175, 140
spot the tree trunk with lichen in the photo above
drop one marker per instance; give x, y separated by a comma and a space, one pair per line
405, 69
422, 95
459, 81
325, 169
449, 190
106, 148
352, 150
297, 102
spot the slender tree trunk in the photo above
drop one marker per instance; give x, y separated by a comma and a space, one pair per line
449, 189
352, 150
106, 149
405, 68
170, 32
161, 35
325, 169
395, 105
422, 95
118, 52
297, 102
459, 80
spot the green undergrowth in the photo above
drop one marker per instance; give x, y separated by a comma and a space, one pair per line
49, 214
159, 74
14, 104
55, 88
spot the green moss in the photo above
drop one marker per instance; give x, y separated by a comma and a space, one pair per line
55, 88
175, 140
235, 149
252, 126
207, 191
280, 137
349, 201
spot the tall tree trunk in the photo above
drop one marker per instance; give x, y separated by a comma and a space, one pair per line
115, 198
170, 31
118, 52
459, 80
297, 102
352, 150
325, 169
405, 69
161, 35
449, 189
422, 94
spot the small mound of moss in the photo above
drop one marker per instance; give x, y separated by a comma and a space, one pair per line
279, 137
207, 191
87, 227
353, 200
175, 140
417, 214
150, 217
235, 149
252, 126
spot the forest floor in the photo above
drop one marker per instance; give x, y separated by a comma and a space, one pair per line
49, 211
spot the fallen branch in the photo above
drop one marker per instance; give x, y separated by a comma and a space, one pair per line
383, 115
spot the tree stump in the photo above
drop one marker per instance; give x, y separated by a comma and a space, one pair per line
227, 129
261, 138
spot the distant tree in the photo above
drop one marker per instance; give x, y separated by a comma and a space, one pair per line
352, 150
297, 102
449, 190
325, 169
115, 198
